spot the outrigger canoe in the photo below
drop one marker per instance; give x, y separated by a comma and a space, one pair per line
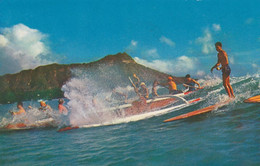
150, 108
49, 122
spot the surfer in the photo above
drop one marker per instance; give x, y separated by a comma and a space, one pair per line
223, 60
171, 86
62, 109
154, 90
190, 83
20, 111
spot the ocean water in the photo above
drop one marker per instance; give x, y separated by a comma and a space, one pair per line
227, 136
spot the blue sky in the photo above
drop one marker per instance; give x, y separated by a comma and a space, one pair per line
175, 36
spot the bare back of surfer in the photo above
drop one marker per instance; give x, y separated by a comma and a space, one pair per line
223, 60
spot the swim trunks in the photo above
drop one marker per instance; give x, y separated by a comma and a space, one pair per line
226, 70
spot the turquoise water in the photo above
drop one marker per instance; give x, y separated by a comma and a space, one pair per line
227, 136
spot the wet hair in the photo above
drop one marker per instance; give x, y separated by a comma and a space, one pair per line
61, 101
218, 44
187, 76
20, 103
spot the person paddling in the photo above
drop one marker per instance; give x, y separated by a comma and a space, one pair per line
136, 80
223, 60
44, 107
20, 111
154, 90
190, 83
62, 109
143, 90
171, 86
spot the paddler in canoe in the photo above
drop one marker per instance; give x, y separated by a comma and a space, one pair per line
20, 111
62, 109
22, 123
190, 83
171, 85
154, 90
139, 105
136, 80
44, 107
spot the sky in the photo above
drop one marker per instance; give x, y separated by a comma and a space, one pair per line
173, 36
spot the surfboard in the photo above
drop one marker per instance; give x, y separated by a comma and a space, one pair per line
199, 111
255, 99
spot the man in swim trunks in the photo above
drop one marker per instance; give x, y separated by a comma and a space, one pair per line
223, 60
190, 83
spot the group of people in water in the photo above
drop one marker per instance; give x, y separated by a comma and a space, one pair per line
43, 107
190, 82
142, 91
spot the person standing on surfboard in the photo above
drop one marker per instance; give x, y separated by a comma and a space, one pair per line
223, 60
190, 83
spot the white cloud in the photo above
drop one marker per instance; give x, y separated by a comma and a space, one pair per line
152, 53
179, 66
132, 46
160, 65
3, 41
23, 48
167, 41
206, 42
200, 73
216, 27
134, 43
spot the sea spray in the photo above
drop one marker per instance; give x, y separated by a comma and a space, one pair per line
88, 102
